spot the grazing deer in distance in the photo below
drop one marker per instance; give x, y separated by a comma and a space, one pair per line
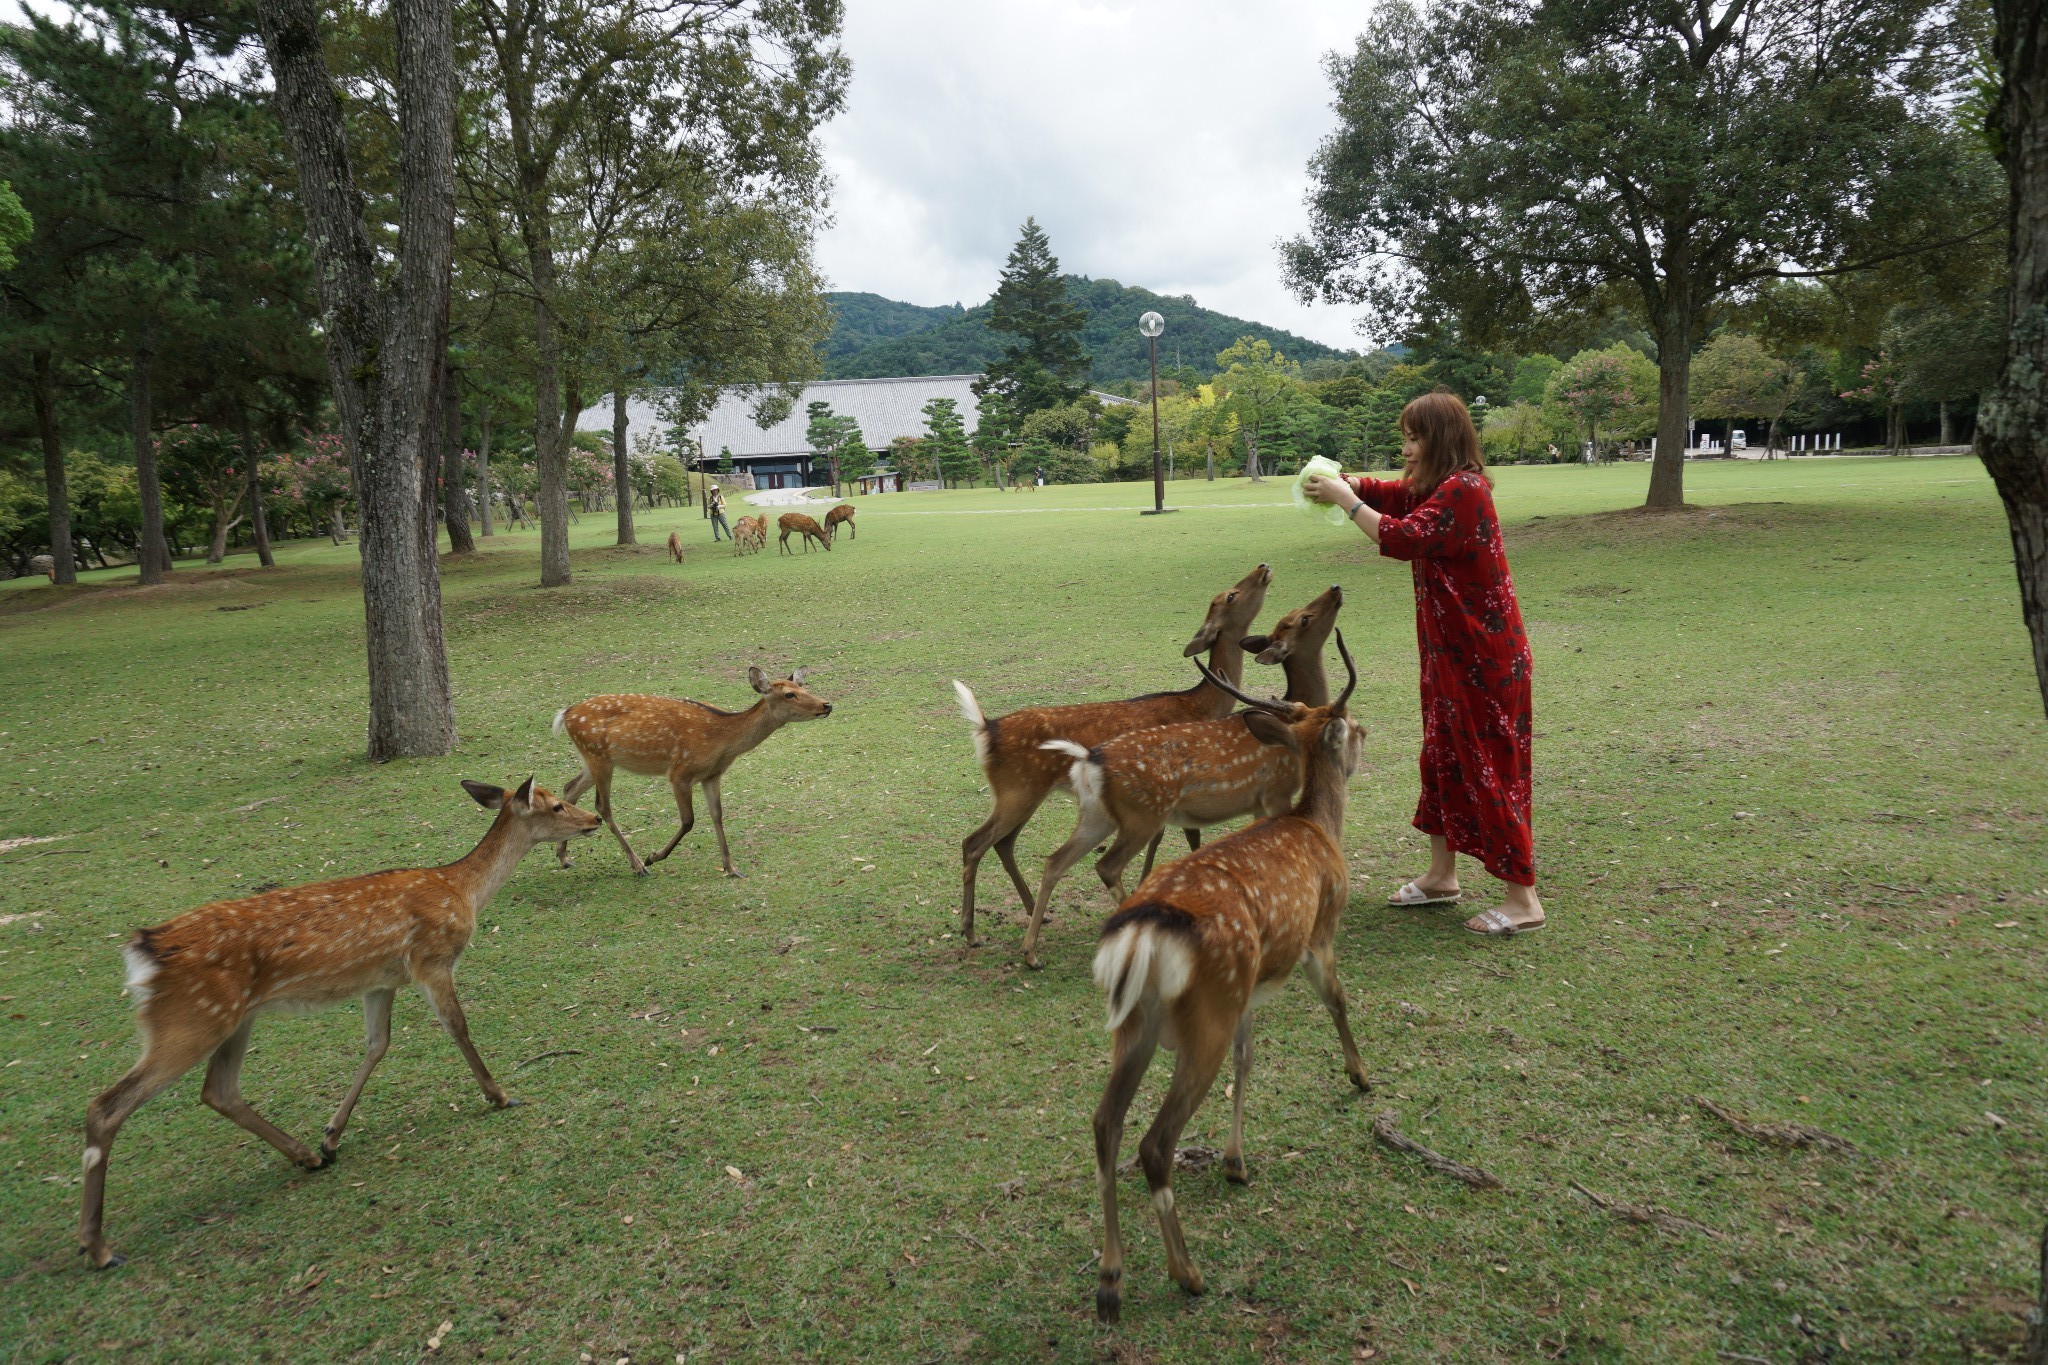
687, 742
199, 981
675, 546
843, 512
1021, 774
749, 534
1202, 941
793, 523
1192, 775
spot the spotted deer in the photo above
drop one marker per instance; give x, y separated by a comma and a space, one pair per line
1021, 774
1188, 776
749, 534
1296, 644
687, 742
1201, 942
200, 980
796, 523
842, 513
675, 546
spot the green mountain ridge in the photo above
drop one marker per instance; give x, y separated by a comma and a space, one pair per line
878, 338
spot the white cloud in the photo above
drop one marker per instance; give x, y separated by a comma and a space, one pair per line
1163, 145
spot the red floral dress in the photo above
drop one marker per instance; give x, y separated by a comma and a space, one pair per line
1475, 668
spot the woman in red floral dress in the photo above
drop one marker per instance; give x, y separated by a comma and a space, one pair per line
1475, 658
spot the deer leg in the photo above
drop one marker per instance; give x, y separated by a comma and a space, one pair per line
572, 789
604, 810
1110, 866
1088, 831
1135, 1043
1006, 849
1151, 851
439, 985
681, 787
377, 1040
1241, 1055
1194, 838
1320, 966
222, 1093
713, 799
1204, 1044
1013, 808
165, 1057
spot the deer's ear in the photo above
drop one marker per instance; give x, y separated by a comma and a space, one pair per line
1252, 644
1268, 728
1336, 734
486, 795
524, 796
759, 680
797, 677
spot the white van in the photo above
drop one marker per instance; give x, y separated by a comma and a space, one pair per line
1738, 440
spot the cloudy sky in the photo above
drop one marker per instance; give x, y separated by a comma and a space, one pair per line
1159, 144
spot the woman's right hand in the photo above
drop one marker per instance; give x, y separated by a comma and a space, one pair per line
1332, 491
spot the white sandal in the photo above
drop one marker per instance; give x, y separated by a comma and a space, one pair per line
1413, 896
1498, 925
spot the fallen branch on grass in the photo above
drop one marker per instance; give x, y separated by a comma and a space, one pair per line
1388, 1135
1782, 1134
543, 1056
1650, 1215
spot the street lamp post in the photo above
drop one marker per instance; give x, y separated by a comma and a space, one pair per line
1151, 325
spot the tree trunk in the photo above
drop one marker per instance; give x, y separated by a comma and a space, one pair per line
1948, 426
548, 453
1674, 375
2012, 423
259, 524
224, 521
483, 468
154, 555
622, 469
384, 341
454, 487
56, 489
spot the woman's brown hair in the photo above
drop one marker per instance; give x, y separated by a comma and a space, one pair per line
1439, 424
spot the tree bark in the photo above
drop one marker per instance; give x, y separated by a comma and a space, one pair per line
154, 555
622, 469
454, 484
224, 521
549, 455
56, 488
259, 525
2012, 423
1674, 377
384, 342
1948, 426
483, 468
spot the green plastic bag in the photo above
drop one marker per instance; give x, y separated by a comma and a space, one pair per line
1318, 464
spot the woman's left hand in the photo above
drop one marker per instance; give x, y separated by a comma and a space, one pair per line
1324, 489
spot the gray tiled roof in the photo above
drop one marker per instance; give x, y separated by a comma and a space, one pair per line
885, 409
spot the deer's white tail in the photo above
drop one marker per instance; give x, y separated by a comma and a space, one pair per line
142, 969
1085, 777
971, 709
557, 727
1141, 959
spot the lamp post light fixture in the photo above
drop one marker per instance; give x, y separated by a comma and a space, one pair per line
1150, 326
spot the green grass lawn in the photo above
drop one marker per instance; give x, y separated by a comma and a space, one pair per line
1790, 830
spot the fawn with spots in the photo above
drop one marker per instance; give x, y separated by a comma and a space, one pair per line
795, 523
199, 981
1021, 774
1205, 939
1191, 775
842, 513
687, 742
675, 546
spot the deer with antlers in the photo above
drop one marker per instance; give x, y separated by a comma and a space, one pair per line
1021, 773
843, 513
1202, 941
1190, 776
199, 981
796, 523
687, 742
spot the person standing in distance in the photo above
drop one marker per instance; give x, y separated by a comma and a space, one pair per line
1475, 658
719, 530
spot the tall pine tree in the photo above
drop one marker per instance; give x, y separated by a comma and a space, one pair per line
1044, 365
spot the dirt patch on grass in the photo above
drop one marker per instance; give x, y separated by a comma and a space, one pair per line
485, 609
200, 585
1635, 526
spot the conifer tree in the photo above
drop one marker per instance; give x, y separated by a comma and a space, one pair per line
946, 446
1043, 365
